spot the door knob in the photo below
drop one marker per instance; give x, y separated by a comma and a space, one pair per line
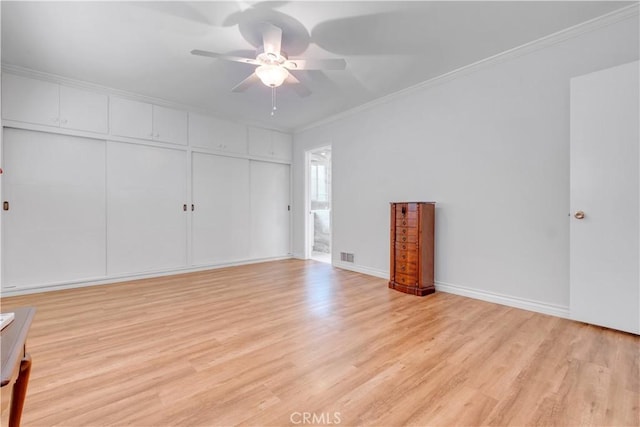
579, 215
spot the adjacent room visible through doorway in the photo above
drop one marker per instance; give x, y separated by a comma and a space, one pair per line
319, 204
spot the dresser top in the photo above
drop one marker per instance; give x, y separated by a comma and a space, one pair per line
430, 203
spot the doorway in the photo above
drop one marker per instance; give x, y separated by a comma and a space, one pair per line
319, 204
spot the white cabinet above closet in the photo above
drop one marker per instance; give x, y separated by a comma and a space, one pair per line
270, 144
141, 120
216, 134
50, 104
169, 125
131, 118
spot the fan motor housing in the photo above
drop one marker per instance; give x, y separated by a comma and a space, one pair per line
271, 58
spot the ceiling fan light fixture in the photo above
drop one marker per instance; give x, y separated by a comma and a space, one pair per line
272, 75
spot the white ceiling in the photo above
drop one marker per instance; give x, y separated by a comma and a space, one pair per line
144, 47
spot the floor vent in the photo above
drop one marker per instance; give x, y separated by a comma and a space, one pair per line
345, 256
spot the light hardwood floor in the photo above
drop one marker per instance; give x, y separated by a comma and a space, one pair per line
264, 344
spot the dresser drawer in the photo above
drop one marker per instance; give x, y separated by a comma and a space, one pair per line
403, 246
407, 222
406, 231
406, 256
406, 268
406, 239
410, 215
406, 279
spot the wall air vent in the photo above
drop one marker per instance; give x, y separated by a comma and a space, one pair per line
345, 256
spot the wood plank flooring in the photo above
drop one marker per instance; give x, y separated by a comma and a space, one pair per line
299, 342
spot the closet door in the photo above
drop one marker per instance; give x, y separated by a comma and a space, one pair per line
269, 210
221, 214
54, 230
146, 191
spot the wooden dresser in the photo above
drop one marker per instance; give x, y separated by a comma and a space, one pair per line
412, 247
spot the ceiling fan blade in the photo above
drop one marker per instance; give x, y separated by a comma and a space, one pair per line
297, 86
272, 38
244, 85
316, 64
225, 57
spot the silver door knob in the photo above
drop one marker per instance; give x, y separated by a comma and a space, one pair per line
579, 215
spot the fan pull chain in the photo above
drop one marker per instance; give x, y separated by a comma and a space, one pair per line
273, 101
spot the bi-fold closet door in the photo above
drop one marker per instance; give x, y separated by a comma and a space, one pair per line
220, 188
241, 209
270, 210
146, 208
54, 228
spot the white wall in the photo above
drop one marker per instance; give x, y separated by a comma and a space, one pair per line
491, 147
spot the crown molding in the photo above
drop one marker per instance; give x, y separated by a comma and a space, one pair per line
67, 81
610, 18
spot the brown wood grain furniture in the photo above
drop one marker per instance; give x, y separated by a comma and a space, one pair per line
412, 247
16, 363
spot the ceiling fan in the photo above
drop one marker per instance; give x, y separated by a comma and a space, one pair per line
273, 66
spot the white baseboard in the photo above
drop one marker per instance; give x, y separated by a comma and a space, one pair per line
522, 303
511, 301
361, 269
14, 291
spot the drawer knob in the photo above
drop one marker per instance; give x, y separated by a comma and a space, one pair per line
404, 222
404, 230
404, 239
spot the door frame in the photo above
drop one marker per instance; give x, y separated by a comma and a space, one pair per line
308, 225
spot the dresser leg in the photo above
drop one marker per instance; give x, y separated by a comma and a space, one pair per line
19, 392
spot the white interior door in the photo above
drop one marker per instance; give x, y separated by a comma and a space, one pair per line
146, 192
221, 209
54, 230
269, 209
604, 271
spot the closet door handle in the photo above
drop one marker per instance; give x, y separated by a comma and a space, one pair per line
184, 207
193, 207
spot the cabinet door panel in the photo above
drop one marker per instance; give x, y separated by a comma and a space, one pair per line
169, 125
54, 230
201, 131
269, 143
221, 217
231, 136
269, 210
217, 134
131, 118
281, 145
146, 190
29, 100
83, 110
259, 142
